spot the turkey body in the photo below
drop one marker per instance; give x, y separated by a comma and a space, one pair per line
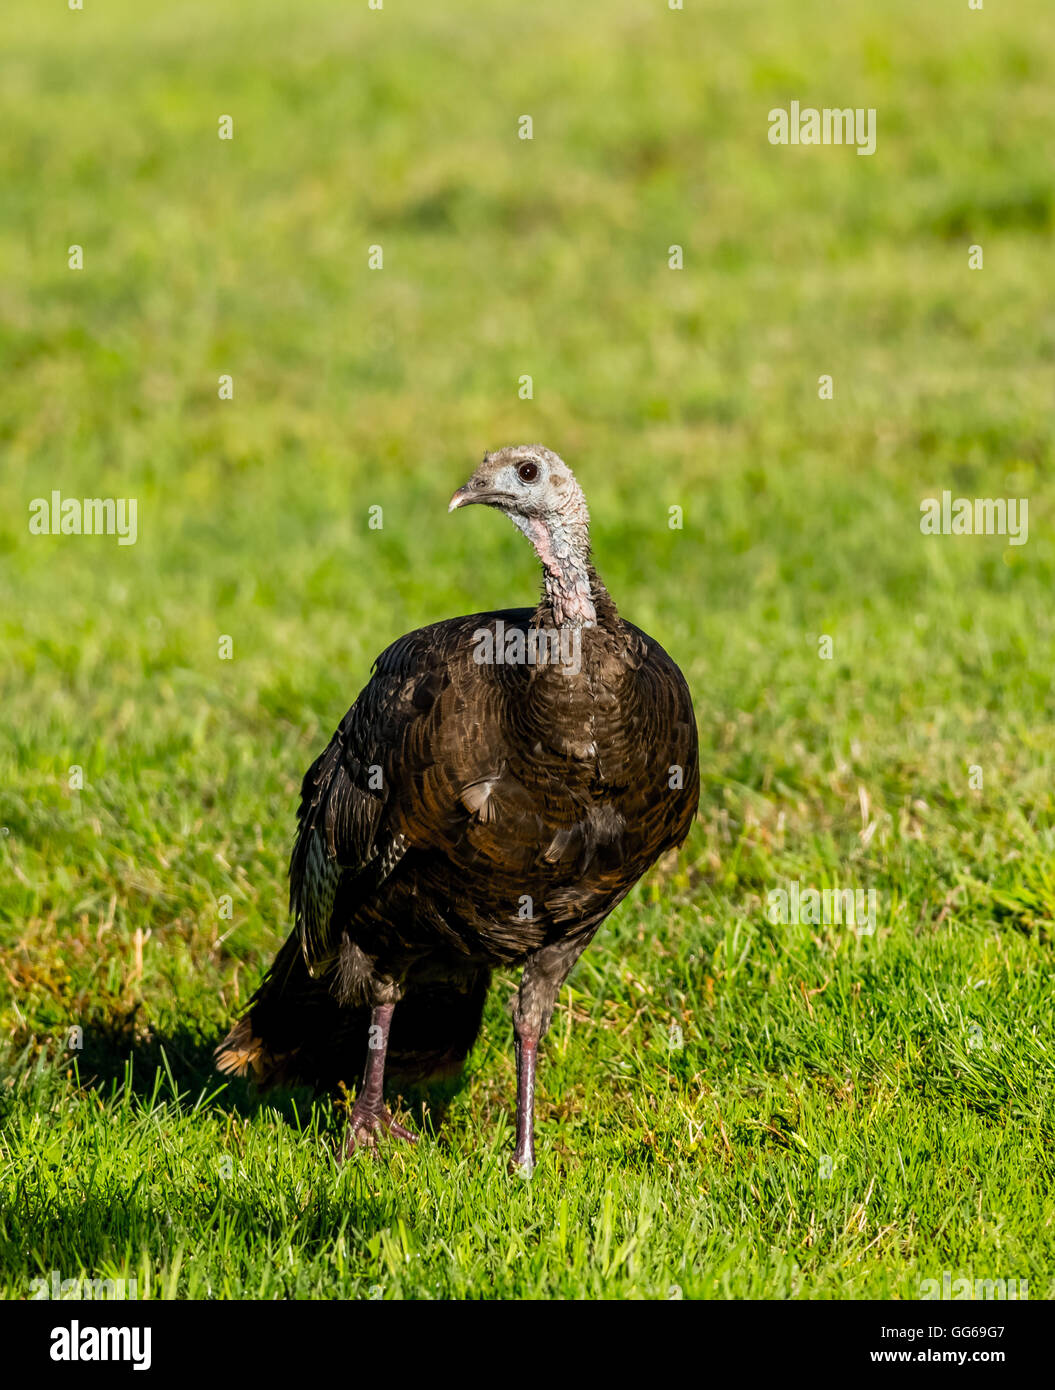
466, 815
476, 808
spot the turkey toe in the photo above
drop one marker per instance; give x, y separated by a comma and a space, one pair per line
366, 1130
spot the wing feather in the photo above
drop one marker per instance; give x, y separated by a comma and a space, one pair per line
376, 792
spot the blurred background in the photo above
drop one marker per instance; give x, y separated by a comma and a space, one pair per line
356, 388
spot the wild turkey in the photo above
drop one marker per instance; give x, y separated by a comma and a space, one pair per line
498, 787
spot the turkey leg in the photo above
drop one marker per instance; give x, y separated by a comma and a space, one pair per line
370, 1117
526, 1046
544, 975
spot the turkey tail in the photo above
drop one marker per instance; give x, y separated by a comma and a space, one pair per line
295, 1032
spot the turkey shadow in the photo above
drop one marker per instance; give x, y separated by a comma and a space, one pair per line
82, 1231
177, 1066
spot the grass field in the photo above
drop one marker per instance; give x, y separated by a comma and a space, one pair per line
727, 1107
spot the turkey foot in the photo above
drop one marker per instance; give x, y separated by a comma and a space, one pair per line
370, 1117
367, 1125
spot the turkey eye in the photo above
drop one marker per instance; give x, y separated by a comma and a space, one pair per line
527, 472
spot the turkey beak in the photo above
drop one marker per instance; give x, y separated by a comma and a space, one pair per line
477, 492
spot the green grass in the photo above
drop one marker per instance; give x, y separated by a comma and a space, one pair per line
913, 1065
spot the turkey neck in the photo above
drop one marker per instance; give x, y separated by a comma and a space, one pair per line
579, 620
577, 611
573, 594
559, 715
566, 599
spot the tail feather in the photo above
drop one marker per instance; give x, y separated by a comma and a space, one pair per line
296, 1033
